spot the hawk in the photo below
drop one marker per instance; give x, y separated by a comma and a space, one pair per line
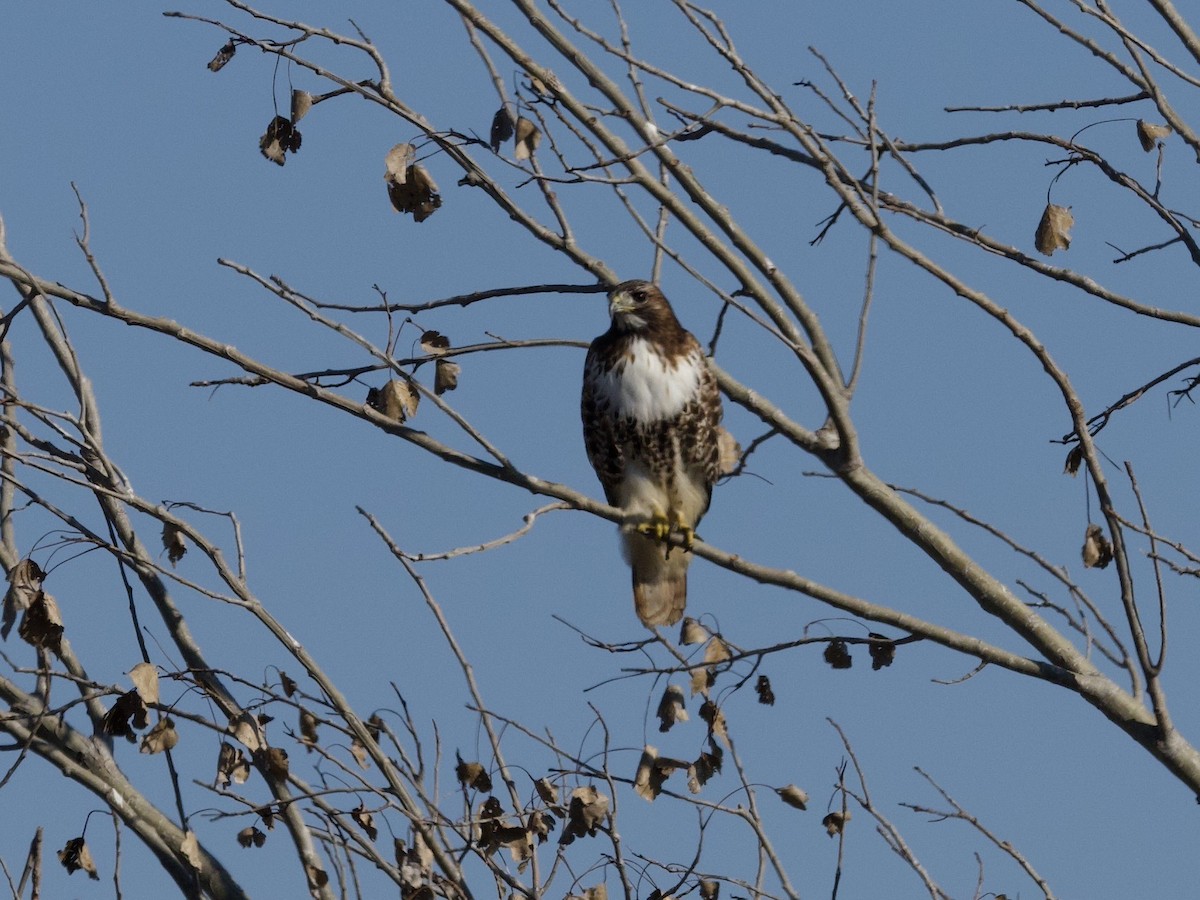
651, 416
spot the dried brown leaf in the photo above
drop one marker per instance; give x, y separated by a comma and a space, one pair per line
502, 128
224, 55
359, 752
692, 632
793, 796
527, 138
288, 685
715, 718
541, 825
173, 543
837, 654
398, 399
42, 624
762, 687
882, 650
1053, 231
585, 814
644, 782
710, 889
445, 376
250, 836
409, 185
1150, 135
1074, 459
549, 795
302, 102
365, 821
434, 343
127, 714
1097, 551
473, 775
75, 856
162, 736
835, 822
145, 679
705, 767
671, 708
24, 584
702, 679
232, 766
278, 140
308, 730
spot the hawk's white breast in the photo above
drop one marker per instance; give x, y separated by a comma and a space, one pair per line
646, 385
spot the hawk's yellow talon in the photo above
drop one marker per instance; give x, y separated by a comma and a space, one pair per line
658, 528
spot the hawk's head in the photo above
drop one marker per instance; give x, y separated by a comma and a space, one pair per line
639, 306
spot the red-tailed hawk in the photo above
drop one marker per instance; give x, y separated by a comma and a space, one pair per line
651, 415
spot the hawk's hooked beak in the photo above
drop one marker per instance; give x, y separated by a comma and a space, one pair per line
620, 302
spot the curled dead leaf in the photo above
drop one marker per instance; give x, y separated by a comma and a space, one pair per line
502, 128
288, 685
585, 814
250, 836
1150, 135
445, 376
359, 752
549, 795
162, 736
1053, 231
707, 765
398, 399
692, 632
302, 102
541, 825
224, 55
527, 138
127, 714
710, 889
365, 821
715, 718
882, 650
434, 343
837, 654
42, 624
835, 822
762, 687
1074, 459
671, 708
145, 680
409, 185
308, 730
1097, 551
173, 543
793, 796
473, 775
278, 140
232, 766
24, 584
75, 856
644, 782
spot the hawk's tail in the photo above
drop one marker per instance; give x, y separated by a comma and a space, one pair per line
659, 580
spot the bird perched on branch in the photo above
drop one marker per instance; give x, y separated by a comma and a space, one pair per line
651, 418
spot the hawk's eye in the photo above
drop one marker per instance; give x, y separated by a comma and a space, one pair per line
639, 295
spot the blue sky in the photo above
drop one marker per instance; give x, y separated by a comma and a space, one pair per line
165, 155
